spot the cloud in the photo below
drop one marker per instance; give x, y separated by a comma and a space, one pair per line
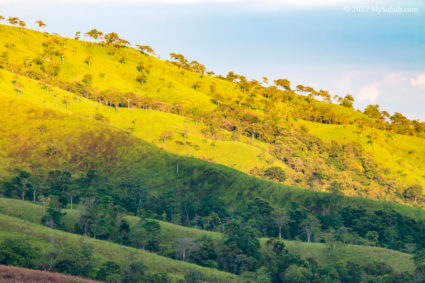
395, 78
369, 92
418, 81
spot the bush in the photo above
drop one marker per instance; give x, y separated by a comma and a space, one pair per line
275, 173
17, 252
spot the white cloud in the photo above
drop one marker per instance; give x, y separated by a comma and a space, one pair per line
369, 92
395, 78
418, 81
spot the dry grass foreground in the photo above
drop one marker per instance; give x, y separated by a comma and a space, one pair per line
12, 274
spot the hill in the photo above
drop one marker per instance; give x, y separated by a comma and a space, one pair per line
170, 233
126, 152
46, 239
235, 122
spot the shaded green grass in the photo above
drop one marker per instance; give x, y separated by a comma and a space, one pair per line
320, 252
40, 236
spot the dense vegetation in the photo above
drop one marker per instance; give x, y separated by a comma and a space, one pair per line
75, 147
204, 248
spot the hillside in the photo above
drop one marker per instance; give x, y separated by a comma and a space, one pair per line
43, 238
230, 125
170, 233
140, 163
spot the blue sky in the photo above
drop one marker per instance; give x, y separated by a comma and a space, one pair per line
335, 45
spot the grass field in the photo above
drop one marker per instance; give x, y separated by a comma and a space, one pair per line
401, 156
20, 274
39, 236
363, 255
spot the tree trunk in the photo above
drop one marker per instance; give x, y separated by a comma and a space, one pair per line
308, 236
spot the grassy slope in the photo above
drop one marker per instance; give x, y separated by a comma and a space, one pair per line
83, 142
11, 227
402, 155
31, 129
171, 232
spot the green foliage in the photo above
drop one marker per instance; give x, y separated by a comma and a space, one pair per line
98, 163
275, 173
17, 252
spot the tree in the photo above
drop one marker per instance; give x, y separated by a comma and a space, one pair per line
2, 18
13, 20
196, 85
325, 95
194, 276
281, 219
179, 60
145, 49
111, 38
77, 35
40, 24
146, 235
18, 87
413, 192
166, 135
94, 33
197, 67
275, 173
122, 42
335, 188
53, 217
419, 262
297, 274
276, 258
346, 101
141, 67
373, 111
17, 252
37, 184
88, 61
75, 260
206, 253
373, 137
153, 235
22, 24
283, 83
141, 78
110, 271
134, 272
185, 246
310, 226
373, 237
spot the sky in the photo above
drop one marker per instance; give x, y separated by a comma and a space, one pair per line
372, 49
